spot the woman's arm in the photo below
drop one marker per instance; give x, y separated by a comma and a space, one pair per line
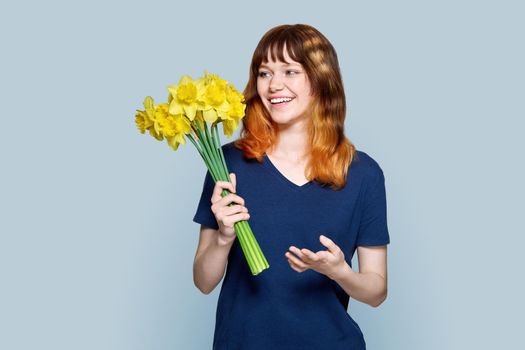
210, 260
214, 246
369, 285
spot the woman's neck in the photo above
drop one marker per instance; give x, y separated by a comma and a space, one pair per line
291, 146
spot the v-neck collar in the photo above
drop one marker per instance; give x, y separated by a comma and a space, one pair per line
273, 169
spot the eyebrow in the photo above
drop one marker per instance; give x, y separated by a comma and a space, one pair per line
283, 65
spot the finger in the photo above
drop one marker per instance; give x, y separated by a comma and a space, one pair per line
328, 243
295, 267
233, 179
219, 187
296, 251
234, 209
295, 260
309, 256
231, 198
229, 221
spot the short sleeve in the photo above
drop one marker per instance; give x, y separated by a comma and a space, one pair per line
204, 215
373, 229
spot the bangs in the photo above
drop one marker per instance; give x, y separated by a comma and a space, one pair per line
275, 46
276, 52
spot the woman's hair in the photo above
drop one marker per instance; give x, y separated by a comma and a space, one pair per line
330, 152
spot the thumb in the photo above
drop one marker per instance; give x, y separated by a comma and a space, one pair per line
233, 179
328, 243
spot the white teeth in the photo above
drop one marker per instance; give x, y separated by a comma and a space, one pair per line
279, 100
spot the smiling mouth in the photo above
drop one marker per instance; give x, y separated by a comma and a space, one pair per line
281, 100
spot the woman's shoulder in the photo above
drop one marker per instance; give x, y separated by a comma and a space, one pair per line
365, 163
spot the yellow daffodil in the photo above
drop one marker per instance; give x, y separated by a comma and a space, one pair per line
215, 104
185, 97
160, 112
215, 94
233, 96
236, 110
142, 121
229, 126
145, 119
179, 126
172, 127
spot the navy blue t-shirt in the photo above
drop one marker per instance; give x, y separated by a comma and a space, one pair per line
281, 308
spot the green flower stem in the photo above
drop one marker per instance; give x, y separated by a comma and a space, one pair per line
220, 155
200, 140
215, 154
207, 147
216, 132
198, 147
204, 155
255, 258
211, 151
251, 246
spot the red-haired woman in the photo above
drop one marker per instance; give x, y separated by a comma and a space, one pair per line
314, 200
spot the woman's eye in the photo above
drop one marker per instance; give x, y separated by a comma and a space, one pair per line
292, 72
264, 74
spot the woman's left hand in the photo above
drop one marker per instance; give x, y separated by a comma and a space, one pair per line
329, 262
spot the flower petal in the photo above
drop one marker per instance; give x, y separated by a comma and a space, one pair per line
210, 115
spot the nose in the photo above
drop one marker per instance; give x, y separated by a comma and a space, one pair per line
276, 83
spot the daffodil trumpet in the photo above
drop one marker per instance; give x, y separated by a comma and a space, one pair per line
192, 104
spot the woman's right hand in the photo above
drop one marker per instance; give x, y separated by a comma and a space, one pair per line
226, 215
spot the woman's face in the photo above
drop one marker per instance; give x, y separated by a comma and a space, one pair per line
285, 90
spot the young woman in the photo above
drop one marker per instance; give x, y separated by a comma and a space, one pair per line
314, 200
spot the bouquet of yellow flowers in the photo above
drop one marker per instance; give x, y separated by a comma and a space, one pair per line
192, 104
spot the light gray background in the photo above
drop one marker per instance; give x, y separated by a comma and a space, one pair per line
97, 239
